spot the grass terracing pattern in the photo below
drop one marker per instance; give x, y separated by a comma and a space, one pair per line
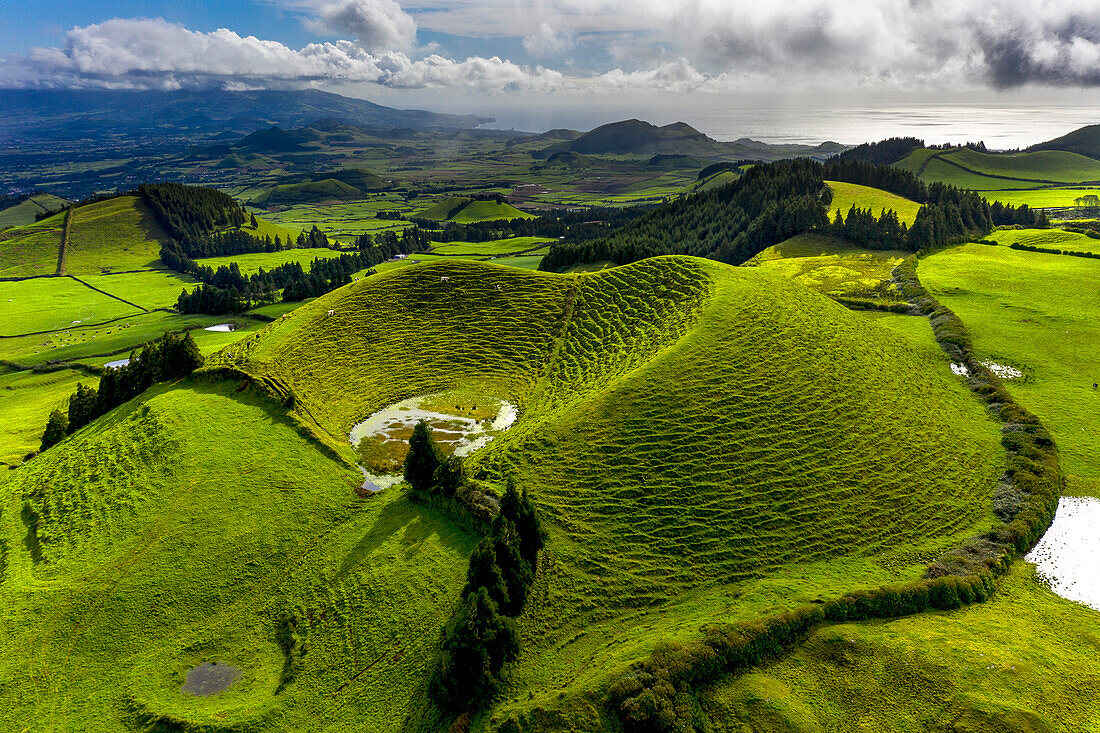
710, 441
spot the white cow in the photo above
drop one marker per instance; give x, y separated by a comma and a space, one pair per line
331, 313
444, 279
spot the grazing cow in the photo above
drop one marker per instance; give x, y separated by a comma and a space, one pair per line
331, 313
444, 279
498, 287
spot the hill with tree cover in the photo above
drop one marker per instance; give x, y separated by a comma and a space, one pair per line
471, 210
1084, 141
771, 203
827, 451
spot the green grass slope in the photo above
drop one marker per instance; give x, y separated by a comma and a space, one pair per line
974, 169
833, 267
48, 304
1025, 661
1040, 314
185, 527
116, 235
847, 195
26, 399
30, 250
22, 214
705, 442
1083, 141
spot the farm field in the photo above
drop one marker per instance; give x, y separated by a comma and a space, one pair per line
833, 267
494, 247
973, 169
612, 552
22, 214
49, 304
847, 195
1047, 238
1040, 314
115, 235
149, 290
1041, 198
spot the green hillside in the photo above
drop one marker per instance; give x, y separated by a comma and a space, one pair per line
33, 249
659, 443
22, 214
115, 235
968, 168
847, 195
311, 192
1084, 141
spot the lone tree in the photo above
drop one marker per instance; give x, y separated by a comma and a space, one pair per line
518, 509
56, 429
423, 459
449, 477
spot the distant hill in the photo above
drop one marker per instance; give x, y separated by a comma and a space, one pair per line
349, 184
276, 140
1085, 141
637, 137
466, 210
78, 114
675, 161
566, 159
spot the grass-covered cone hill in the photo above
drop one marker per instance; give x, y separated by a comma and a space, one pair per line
705, 443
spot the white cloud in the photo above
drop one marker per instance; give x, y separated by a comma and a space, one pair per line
546, 42
378, 25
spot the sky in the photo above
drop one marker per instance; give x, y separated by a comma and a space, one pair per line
463, 53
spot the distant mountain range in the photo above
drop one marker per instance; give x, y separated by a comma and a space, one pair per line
73, 114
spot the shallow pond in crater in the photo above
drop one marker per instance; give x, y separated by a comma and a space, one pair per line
210, 678
460, 424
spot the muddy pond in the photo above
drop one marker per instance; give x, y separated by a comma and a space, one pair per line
1068, 556
210, 678
461, 423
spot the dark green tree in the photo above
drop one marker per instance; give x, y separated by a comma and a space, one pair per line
181, 356
82, 407
56, 428
485, 573
450, 475
518, 509
477, 644
423, 459
518, 575
252, 221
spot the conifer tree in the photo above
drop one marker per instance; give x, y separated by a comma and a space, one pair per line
423, 459
56, 428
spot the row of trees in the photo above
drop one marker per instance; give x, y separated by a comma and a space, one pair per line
480, 640
884, 152
171, 356
773, 202
577, 225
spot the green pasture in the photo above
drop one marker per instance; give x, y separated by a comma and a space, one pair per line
1040, 314
22, 214
230, 542
1043, 198
1047, 165
1048, 238
833, 267
493, 247
251, 263
26, 400
1023, 662
847, 195
150, 289
115, 235
52, 303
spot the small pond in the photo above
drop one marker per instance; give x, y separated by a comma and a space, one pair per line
222, 327
461, 423
117, 363
210, 678
1068, 556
